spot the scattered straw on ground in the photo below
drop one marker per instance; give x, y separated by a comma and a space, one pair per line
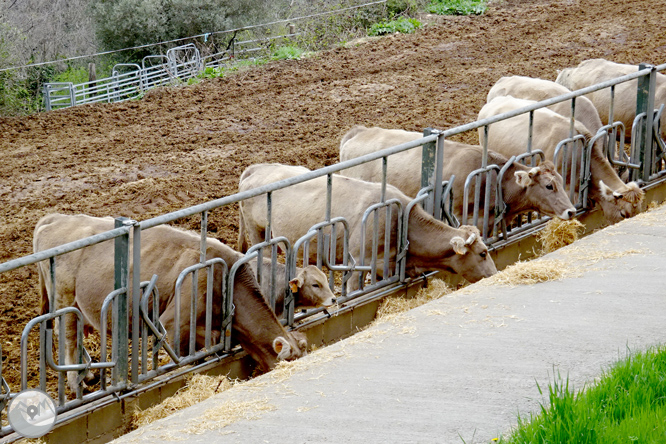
199, 388
530, 273
225, 414
395, 305
591, 256
559, 233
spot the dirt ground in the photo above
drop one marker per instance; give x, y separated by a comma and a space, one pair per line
187, 145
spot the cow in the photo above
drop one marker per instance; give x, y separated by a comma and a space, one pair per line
509, 137
523, 188
432, 245
540, 89
593, 71
86, 276
309, 286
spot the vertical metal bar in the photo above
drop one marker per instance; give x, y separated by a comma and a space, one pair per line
484, 159
477, 198
273, 275
428, 154
156, 314
375, 246
42, 358
194, 294
384, 173
437, 182
529, 135
136, 300
121, 277
387, 240
332, 254
61, 360
486, 204
329, 196
204, 234
645, 104
611, 109
572, 121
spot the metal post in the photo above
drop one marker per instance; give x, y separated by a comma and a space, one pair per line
645, 104
136, 299
437, 181
428, 155
121, 279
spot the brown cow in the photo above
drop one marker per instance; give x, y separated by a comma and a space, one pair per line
591, 72
85, 278
309, 287
523, 188
539, 89
433, 245
509, 137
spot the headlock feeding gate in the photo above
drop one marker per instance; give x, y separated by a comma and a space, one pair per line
140, 351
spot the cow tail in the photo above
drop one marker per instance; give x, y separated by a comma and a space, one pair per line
45, 305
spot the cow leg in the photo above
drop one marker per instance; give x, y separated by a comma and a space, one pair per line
71, 352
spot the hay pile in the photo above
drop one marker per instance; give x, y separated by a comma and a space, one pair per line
198, 388
530, 273
559, 233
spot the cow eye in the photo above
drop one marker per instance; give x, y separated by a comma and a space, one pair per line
315, 285
549, 187
484, 254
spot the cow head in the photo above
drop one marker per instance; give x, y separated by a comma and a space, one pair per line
543, 191
291, 346
310, 288
622, 203
471, 259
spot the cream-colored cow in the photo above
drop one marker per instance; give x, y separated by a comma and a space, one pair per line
85, 277
509, 137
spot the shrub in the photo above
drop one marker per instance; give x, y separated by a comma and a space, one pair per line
287, 53
457, 7
404, 25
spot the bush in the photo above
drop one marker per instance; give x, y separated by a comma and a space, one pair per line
287, 53
404, 25
457, 7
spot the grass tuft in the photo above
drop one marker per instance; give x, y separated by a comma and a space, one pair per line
627, 405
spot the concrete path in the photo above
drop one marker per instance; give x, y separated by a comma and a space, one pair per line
458, 369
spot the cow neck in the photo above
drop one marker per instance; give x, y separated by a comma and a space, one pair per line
431, 238
254, 320
510, 189
601, 169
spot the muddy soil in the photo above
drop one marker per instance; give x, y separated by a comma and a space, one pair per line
182, 146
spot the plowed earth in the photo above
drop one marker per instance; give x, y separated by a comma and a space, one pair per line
182, 146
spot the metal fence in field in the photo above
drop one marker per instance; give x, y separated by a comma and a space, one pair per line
123, 369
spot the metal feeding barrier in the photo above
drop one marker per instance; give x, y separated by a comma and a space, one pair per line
141, 349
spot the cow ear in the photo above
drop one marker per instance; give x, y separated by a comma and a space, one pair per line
282, 348
295, 284
606, 192
458, 244
523, 178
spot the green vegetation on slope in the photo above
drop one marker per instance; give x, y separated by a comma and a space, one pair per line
627, 405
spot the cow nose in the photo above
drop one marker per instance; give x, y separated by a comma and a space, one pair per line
570, 214
624, 214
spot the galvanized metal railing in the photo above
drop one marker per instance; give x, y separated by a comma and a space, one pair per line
136, 303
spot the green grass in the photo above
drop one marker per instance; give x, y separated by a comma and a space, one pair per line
627, 405
457, 7
402, 24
